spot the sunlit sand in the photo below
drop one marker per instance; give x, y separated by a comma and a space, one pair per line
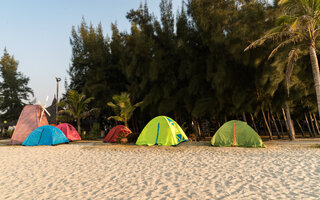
192, 170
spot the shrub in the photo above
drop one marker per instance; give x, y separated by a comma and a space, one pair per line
94, 132
132, 138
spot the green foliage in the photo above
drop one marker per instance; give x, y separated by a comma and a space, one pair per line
76, 106
94, 132
14, 90
122, 107
6, 133
96, 64
192, 65
296, 33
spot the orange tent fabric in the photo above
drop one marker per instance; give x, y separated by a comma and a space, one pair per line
70, 132
115, 132
53, 125
28, 121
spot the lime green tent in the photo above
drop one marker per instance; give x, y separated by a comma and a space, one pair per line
161, 130
236, 133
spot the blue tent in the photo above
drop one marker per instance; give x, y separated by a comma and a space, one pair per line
45, 135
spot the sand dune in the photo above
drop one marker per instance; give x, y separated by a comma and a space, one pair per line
192, 170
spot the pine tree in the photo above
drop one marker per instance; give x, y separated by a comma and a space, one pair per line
14, 90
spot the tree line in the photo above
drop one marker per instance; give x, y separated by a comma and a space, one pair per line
192, 67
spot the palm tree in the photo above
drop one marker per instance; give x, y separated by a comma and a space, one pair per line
76, 106
122, 107
299, 26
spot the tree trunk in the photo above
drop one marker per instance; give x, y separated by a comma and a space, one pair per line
244, 117
315, 72
316, 123
78, 123
292, 135
134, 125
269, 122
281, 127
197, 129
265, 130
254, 124
307, 121
300, 127
275, 125
126, 121
268, 128
285, 120
312, 125
219, 125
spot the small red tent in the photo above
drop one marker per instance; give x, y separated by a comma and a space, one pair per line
70, 132
115, 132
28, 121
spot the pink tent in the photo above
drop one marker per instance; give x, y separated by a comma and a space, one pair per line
70, 132
28, 121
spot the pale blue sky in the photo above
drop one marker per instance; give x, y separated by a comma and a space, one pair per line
37, 33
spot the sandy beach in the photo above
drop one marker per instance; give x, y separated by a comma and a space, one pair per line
192, 170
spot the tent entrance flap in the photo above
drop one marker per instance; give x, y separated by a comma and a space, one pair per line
157, 133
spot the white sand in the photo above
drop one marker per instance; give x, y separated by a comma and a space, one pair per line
192, 170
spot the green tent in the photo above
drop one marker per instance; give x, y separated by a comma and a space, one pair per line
161, 130
236, 133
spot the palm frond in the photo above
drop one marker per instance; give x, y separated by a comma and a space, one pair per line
62, 104
292, 58
113, 106
117, 118
122, 106
66, 112
76, 105
293, 26
295, 5
273, 34
138, 104
285, 20
284, 43
316, 33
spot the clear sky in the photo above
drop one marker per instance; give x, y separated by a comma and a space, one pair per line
37, 33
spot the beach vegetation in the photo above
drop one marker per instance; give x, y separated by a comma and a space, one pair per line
76, 106
94, 133
14, 90
297, 27
123, 107
192, 66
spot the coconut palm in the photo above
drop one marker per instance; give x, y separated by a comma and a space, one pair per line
299, 27
122, 107
76, 106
